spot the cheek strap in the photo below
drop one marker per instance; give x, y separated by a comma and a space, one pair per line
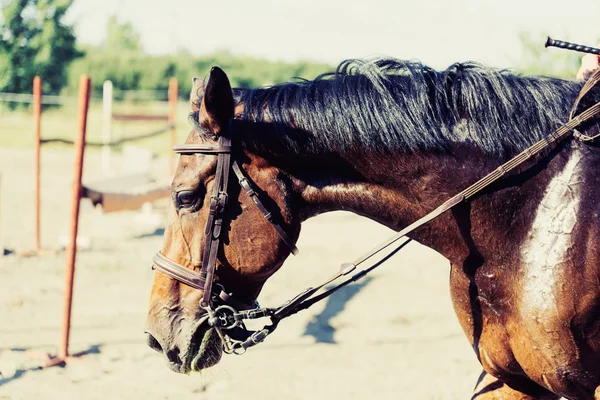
245, 184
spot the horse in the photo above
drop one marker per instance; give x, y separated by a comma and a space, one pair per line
391, 140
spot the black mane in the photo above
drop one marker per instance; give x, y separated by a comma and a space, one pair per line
391, 105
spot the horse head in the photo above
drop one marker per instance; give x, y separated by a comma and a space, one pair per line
248, 251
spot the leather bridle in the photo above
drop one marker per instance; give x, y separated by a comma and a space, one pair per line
227, 305
227, 314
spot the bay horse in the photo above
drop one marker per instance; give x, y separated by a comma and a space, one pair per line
391, 140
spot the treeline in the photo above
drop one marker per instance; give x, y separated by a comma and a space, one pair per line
138, 71
132, 69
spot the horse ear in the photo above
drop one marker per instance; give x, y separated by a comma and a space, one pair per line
216, 109
196, 93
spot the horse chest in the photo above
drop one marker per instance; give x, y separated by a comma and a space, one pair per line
527, 294
546, 251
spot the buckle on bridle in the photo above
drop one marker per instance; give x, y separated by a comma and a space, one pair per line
222, 201
224, 317
245, 184
239, 347
218, 203
229, 325
213, 205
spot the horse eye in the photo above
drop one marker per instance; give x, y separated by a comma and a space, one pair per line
185, 198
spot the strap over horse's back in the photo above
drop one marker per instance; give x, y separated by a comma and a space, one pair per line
588, 130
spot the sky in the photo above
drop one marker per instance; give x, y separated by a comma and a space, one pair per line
435, 32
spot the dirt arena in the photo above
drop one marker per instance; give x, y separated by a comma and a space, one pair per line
392, 335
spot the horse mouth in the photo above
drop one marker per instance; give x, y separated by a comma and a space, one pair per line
206, 349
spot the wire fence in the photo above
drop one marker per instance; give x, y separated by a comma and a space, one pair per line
46, 100
146, 96
113, 143
137, 111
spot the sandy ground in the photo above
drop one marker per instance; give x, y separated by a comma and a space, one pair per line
393, 335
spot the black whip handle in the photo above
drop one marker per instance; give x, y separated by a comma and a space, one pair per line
571, 46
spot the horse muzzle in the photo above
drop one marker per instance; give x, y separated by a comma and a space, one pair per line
196, 347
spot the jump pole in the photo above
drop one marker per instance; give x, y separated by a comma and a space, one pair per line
84, 98
37, 118
173, 93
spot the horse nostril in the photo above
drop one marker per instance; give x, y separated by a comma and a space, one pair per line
174, 361
173, 356
153, 343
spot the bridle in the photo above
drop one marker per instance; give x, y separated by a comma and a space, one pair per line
227, 314
223, 317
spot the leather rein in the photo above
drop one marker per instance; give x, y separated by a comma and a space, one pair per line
227, 313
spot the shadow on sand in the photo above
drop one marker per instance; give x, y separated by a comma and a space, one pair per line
157, 232
93, 349
319, 327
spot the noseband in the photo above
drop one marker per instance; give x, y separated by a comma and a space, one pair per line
227, 313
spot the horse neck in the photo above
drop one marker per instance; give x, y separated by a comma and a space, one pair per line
396, 187
395, 190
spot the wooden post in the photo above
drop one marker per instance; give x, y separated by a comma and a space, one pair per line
107, 98
172, 118
37, 144
84, 97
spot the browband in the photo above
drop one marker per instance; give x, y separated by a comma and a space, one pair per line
188, 149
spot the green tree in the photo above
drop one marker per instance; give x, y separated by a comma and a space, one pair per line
34, 40
132, 71
121, 37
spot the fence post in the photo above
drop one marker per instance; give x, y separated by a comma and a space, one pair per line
173, 93
84, 97
37, 144
107, 98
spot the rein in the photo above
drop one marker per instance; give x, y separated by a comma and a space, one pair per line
227, 314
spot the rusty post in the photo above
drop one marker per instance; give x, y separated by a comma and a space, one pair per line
173, 93
84, 97
37, 118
